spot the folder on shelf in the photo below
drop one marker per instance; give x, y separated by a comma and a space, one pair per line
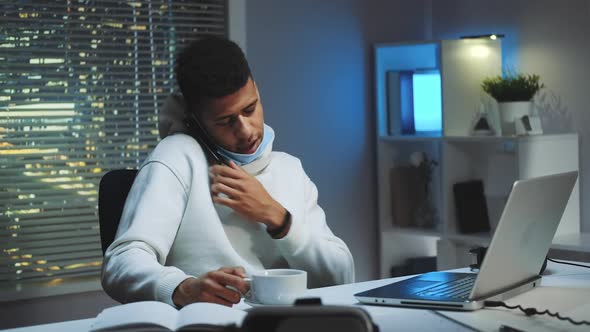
394, 103
407, 194
400, 102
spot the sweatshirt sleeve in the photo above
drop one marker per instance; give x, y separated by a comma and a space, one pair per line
310, 245
134, 264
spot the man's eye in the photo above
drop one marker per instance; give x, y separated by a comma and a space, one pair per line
223, 123
250, 110
226, 122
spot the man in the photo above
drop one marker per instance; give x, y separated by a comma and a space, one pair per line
188, 231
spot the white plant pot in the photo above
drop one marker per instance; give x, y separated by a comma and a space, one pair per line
510, 112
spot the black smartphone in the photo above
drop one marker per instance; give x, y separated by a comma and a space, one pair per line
200, 134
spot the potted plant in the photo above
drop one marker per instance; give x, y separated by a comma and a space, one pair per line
513, 94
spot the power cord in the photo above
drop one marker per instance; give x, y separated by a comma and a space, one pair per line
480, 252
533, 311
567, 263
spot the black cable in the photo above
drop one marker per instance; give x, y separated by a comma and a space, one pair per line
533, 311
574, 264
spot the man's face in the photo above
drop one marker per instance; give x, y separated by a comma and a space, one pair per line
236, 122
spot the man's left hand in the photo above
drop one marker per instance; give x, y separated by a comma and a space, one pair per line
245, 195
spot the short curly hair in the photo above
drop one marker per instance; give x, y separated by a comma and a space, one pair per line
208, 68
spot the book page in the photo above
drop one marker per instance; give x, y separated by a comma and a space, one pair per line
137, 314
209, 314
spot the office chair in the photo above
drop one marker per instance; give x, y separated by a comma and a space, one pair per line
112, 193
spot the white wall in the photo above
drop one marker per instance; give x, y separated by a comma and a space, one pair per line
308, 61
546, 37
312, 61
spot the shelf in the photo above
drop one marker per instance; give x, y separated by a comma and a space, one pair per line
410, 138
473, 139
413, 231
479, 139
572, 242
475, 238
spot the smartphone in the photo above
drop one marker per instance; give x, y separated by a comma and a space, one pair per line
200, 134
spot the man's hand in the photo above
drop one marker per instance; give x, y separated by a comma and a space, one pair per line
245, 195
212, 288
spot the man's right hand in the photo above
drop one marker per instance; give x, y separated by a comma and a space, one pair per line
212, 287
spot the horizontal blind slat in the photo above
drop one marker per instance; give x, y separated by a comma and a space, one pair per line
50, 224
65, 234
129, 95
25, 141
49, 259
182, 37
103, 4
92, 271
145, 27
55, 253
86, 175
55, 243
85, 219
148, 108
40, 253
50, 194
105, 163
53, 202
57, 267
88, 155
52, 205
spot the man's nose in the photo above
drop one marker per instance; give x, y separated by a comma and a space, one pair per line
243, 128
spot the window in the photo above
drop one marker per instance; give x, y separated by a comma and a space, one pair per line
81, 85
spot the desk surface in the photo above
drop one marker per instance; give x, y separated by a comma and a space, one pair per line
564, 288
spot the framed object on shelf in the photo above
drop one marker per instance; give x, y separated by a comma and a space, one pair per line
470, 207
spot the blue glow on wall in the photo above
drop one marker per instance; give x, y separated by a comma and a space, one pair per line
427, 102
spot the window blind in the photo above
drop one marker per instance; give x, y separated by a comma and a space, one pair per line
81, 85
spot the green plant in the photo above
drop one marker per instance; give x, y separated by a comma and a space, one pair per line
520, 87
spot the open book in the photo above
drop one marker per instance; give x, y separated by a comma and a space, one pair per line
158, 316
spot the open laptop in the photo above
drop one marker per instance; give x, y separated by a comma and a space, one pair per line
513, 259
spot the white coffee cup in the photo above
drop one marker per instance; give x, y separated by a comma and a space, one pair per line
277, 286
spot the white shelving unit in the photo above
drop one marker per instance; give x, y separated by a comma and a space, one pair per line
497, 161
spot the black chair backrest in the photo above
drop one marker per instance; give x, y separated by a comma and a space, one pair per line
112, 193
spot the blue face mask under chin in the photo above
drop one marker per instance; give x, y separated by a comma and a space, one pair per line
268, 136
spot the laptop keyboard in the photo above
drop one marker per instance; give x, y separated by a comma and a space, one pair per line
459, 288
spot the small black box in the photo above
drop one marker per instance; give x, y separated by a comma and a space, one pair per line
470, 207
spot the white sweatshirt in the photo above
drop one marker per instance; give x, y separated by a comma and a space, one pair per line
171, 229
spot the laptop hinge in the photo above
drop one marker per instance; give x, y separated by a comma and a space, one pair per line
510, 291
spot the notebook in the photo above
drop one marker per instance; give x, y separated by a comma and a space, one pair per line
513, 260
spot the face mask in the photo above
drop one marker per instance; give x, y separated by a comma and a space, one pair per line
268, 136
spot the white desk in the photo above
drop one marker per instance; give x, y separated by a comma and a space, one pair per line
565, 289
